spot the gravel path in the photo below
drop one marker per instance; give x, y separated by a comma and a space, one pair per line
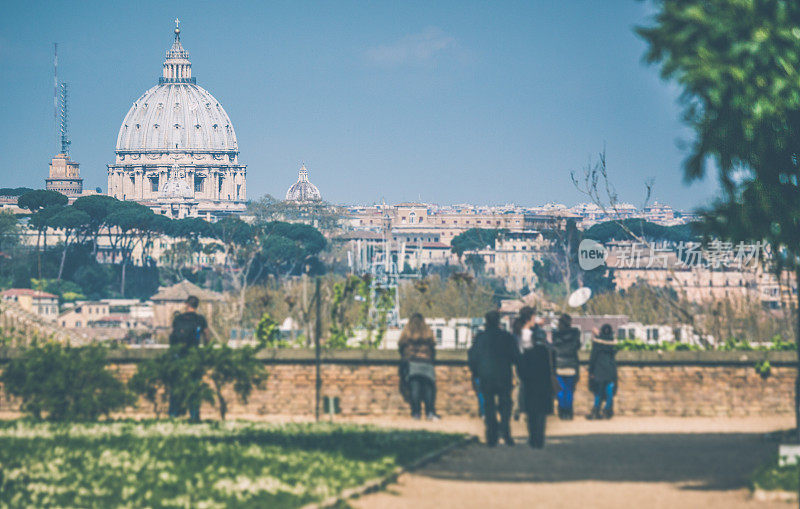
626, 462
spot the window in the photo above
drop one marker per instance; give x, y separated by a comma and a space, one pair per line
198, 184
154, 184
438, 337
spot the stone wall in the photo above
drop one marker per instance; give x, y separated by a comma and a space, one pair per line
650, 383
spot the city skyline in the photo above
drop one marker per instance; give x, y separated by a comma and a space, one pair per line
421, 107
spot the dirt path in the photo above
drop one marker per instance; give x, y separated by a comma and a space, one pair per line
648, 463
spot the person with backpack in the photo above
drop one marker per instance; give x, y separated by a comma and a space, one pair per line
189, 331
491, 357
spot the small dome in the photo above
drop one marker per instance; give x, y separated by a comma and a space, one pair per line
176, 188
303, 189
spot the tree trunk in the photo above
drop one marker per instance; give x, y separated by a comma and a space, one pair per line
122, 280
797, 347
63, 258
223, 405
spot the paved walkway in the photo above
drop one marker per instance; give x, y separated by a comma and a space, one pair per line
626, 462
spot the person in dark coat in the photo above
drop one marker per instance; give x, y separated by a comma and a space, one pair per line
522, 333
491, 356
536, 372
418, 352
603, 373
566, 343
189, 332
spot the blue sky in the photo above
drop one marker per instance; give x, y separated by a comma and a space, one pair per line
448, 102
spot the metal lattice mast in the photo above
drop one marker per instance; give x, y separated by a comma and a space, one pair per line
55, 88
64, 121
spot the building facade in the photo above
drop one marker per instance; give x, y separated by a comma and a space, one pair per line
176, 150
37, 302
64, 176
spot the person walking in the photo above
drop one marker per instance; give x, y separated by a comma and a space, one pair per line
490, 358
603, 373
566, 343
418, 352
189, 331
536, 372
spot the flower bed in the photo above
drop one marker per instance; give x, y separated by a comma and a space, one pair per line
214, 464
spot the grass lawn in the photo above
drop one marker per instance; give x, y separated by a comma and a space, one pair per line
176, 464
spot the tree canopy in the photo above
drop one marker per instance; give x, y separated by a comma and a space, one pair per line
40, 199
474, 239
620, 230
738, 64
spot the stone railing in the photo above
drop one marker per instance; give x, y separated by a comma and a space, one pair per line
650, 383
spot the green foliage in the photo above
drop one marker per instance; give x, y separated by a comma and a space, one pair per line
763, 368
69, 218
41, 199
344, 292
232, 230
179, 376
151, 378
637, 345
287, 247
63, 383
738, 64
731, 345
476, 263
14, 191
234, 366
475, 239
174, 464
771, 477
9, 232
267, 331
621, 230
781, 345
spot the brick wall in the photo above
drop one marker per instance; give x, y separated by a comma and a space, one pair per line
651, 383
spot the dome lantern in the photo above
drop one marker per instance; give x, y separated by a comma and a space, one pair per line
177, 67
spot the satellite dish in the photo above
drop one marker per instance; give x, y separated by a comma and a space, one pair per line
579, 297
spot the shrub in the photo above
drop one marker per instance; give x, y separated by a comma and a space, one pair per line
64, 383
178, 377
239, 367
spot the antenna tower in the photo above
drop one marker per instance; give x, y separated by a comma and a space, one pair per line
55, 88
64, 121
